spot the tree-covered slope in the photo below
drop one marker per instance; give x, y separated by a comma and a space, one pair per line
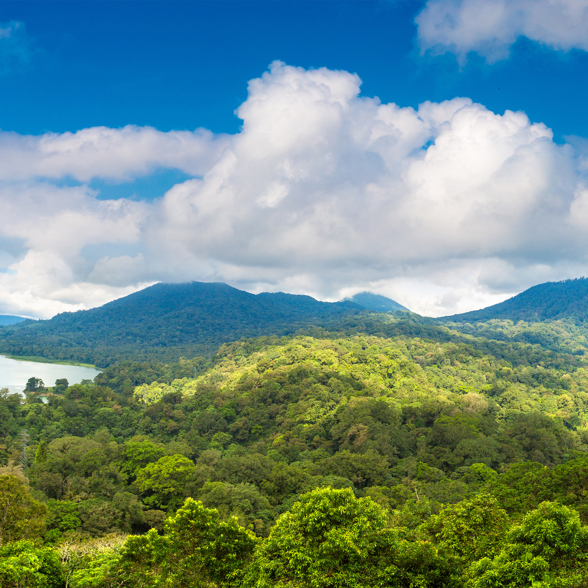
435, 457
375, 302
552, 315
190, 319
549, 301
7, 319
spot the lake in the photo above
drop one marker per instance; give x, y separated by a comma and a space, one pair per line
14, 374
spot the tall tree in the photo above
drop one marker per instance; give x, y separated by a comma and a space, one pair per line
21, 516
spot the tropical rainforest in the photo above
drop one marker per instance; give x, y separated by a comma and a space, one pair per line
356, 449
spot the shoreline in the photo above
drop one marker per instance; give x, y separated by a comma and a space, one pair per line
35, 359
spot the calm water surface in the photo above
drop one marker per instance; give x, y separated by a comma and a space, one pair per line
15, 374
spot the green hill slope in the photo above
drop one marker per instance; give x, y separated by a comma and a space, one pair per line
550, 301
553, 315
6, 319
166, 321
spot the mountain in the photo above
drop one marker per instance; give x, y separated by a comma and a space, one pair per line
375, 302
6, 319
545, 302
168, 320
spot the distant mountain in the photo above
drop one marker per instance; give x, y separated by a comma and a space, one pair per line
6, 319
169, 320
545, 302
375, 302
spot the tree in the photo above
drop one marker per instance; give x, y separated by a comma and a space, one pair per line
165, 480
92, 563
21, 516
470, 529
243, 501
548, 549
41, 452
198, 550
34, 385
63, 517
331, 539
138, 454
61, 385
26, 565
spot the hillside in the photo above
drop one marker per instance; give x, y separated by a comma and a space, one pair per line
552, 315
426, 428
375, 302
6, 319
415, 426
549, 301
166, 321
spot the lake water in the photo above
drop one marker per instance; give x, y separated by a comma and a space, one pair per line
15, 374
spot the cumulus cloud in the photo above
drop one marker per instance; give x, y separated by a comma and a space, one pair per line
445, 208
45, 269
100, 152
490, 27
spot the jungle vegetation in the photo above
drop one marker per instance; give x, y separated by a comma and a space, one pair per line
389, 452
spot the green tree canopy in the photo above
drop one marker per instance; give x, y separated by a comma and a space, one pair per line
331, 539
21, 516
472, 528
165, 480
197, 550
548, 549
26, 565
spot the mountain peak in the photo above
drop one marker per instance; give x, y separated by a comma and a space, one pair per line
375, 302
168, 320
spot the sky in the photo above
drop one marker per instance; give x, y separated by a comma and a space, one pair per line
433, 151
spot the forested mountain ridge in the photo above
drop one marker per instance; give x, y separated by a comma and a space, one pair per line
168, 321
550, 301
6, 319
553, 315
367, 449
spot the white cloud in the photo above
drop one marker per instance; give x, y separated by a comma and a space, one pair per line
490, 27
49, 273
100, 152
444, 208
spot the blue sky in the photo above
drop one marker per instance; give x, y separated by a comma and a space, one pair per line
183, 65
70, 68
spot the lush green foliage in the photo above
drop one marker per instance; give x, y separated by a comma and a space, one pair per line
23, 564
21, 516
331, 460
331, 539
548, 549
198, 549
167, 321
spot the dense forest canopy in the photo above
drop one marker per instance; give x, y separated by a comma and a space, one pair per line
167, 321
390, 450
427, 441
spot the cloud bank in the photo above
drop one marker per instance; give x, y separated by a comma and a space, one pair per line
445, 208
491, 27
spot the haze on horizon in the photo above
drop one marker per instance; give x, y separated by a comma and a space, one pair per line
404, 186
